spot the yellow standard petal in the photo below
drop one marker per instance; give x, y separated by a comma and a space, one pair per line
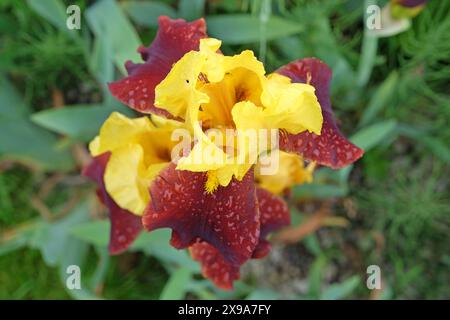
291, 106
232, 92
291, 171
178, 90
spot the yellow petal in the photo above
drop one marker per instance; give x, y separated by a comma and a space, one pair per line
246, 59
291, 171
118, 130
125, 178
94, 146
203, 157
178, 90
139, 149
246, 115
213, 66
291, 106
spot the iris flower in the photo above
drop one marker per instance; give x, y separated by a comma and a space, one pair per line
221, 209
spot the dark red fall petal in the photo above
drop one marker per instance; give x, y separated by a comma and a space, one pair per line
228, 219
274, 214
125, 226
331, 148
411, 3
262, 249
173, 40
214, 266
273, 210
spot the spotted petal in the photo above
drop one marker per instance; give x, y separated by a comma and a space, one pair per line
214, 266
125, 226
330, 148
274, 214
228, 218
173, 40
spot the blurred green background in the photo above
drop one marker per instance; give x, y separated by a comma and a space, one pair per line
390, 95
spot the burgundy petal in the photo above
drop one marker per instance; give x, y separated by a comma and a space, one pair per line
331, 148
262, 249
214, 266
228, 218
411, 3
125, 226
274, 214
173, 40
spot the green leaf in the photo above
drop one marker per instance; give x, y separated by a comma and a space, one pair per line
106, 19
54, 240
244, 28
60, 248
12, 106
12, 245
380, 99
191, 9
93, 232
201, 289
368, 138
22, 140
435, 145
373, 135
319, 191
101, 270
263, 294
175, 288
79, 122
75, 254
53, 11
315, 277
147, 13
368, 52
156, 243
341, 290
312, 244
101, 61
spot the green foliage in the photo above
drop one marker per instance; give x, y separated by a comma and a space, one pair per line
175, 288
341, 290
22, 264
123, 38
78, 122
410, 207
11, 200
52, 10
244, 28
147, 13
22, 140
32, 49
